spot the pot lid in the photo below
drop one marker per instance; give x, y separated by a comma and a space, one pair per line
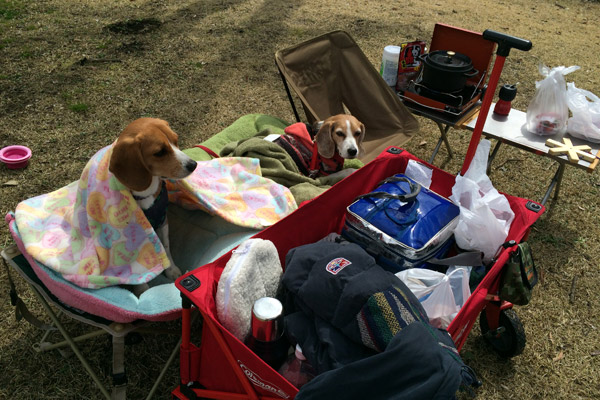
450, 60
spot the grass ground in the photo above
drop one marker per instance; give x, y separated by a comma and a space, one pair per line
73, 74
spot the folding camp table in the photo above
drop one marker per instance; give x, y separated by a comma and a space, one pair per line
511, 129
445, 122
480, 51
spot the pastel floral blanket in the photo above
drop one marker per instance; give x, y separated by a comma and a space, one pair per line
93, 232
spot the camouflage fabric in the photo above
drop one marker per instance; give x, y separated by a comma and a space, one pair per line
520, 276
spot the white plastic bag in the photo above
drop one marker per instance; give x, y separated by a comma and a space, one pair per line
585, 107
548, 112
441, 295
419, 173
485, 214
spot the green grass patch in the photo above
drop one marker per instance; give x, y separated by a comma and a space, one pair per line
551, 239
10, 9
79, 107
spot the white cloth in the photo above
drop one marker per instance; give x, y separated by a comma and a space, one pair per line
252, 272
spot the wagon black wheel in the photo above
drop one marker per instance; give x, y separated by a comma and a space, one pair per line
509, 339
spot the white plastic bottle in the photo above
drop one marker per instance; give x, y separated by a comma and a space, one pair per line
389, 65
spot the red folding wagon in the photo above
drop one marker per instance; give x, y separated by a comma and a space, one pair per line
222, 367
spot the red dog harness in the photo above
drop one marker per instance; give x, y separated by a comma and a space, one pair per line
298, 141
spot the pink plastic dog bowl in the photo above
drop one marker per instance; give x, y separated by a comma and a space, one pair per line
15, 156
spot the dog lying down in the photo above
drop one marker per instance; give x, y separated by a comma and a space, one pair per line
145, 154
337, 138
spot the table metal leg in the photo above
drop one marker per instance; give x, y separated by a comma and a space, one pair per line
555, 183
493, 155
443, 138
559, 173
435, 151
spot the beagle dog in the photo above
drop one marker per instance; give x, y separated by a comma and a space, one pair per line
146, 153
339, 137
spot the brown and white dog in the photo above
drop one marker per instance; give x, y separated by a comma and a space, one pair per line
146, 153
338, 138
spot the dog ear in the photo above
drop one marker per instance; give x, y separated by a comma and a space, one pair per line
127, 165
361, 150
324, 139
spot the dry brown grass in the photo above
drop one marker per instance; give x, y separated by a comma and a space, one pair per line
69, 85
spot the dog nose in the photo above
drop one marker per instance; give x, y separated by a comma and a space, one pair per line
191, 165
352, 152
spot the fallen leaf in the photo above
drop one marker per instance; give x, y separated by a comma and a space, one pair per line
559, 356
595, 353
12, 182
423, 143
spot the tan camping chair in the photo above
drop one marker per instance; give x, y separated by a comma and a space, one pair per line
331, 75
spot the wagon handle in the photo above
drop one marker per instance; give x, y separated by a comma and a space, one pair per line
505, 43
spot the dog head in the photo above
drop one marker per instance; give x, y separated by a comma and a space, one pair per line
416, 51
147, 147
342, 132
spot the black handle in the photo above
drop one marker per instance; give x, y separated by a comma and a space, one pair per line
190, 283
471, 74
415, 188
506, 42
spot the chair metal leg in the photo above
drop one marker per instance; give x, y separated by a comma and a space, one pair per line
289, 95
119, 390
164, 370
45, 346
71, 342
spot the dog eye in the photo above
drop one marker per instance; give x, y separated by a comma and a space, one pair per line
357, 133
161, 153
339, 133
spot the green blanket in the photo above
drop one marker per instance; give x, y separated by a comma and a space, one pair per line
244, 138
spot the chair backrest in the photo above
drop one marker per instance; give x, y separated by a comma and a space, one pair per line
331, 75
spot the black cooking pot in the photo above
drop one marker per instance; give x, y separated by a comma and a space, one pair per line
446, 71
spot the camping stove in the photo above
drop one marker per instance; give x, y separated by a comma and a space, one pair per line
455, 103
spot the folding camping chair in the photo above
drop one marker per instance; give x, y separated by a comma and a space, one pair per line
197, 238
330, 74
13, 257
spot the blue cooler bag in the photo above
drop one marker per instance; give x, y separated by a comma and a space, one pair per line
401, 223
